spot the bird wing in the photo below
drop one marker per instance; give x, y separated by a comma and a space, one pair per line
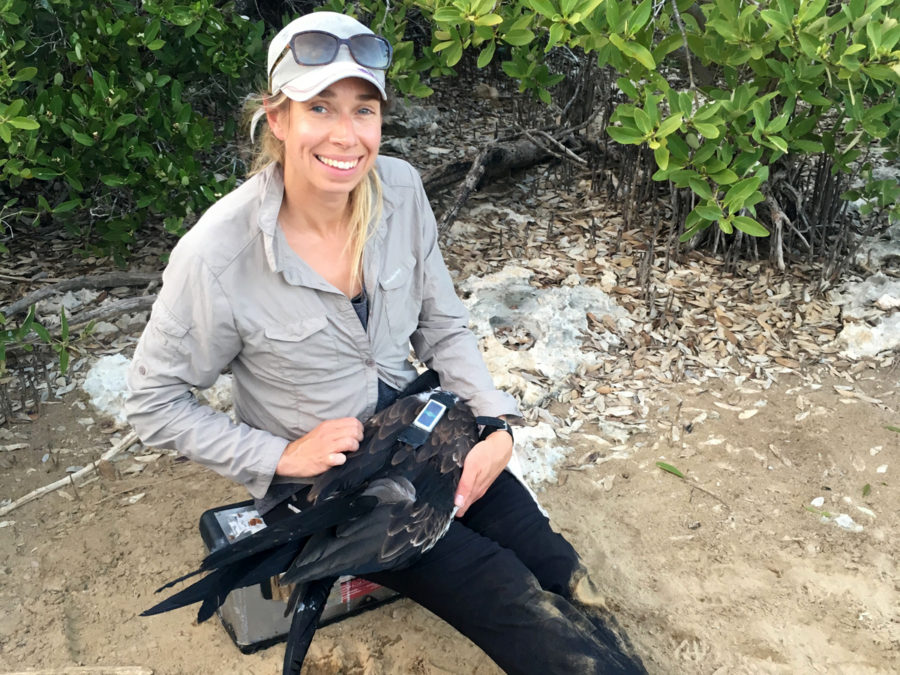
294, 528
379, 438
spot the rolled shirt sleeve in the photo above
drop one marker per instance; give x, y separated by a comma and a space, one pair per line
189, 339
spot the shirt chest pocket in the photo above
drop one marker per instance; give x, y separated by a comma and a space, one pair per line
402, 300
296, 352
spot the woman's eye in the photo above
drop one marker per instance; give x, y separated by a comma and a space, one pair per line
318, 108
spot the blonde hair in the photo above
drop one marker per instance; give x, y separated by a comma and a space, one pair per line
366, 199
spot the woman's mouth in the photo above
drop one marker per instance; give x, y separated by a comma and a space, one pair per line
337, 164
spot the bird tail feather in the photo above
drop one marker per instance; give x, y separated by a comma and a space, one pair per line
307, 613
214, 588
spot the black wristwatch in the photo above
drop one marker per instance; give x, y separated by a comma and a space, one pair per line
491, 424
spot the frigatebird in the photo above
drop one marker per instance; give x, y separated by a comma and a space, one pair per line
391, 501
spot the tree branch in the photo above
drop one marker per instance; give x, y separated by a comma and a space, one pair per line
110, 280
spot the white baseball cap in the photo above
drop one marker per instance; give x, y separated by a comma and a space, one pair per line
301, 83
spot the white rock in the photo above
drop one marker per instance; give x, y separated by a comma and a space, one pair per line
104, 328
846, 522
556, 317
818, 502
887, 302
106, 384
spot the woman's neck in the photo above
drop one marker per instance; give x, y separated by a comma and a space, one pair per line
312, 216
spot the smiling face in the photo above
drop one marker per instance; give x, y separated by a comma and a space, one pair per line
331, 141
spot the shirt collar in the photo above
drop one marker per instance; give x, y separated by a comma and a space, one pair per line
278, 254
271, 196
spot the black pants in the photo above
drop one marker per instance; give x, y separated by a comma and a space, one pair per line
504, 579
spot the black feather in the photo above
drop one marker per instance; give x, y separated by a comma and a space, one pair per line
307, 604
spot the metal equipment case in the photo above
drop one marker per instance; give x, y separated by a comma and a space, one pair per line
254, 616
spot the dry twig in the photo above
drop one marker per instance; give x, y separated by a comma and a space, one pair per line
70, 479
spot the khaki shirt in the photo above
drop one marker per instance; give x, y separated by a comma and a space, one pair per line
236, 295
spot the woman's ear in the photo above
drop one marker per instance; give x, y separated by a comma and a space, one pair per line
277, 117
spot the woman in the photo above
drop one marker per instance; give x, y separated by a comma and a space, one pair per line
310, 281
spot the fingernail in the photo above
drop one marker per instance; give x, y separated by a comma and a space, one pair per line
458, 501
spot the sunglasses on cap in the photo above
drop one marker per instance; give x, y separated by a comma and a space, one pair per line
318, 48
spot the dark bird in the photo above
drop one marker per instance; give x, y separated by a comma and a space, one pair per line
390, 502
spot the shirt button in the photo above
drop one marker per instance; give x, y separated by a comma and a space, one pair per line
370, 363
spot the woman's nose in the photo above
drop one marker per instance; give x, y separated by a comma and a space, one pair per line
342, 132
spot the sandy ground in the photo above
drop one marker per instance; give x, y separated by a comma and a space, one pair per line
740, 579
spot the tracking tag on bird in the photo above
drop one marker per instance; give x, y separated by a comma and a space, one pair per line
431, 414
418, 431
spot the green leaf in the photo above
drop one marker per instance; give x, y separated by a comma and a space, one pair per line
556, 35
518, 37
776, 19
815, 97
701, 188
749, 226
739, 192
65, 207
671, 469
100, 84
892, 428
545, 7
668, 126
25, 74
724, 177
707, 130
486, 54
778, 142
640, 53
489, 20
636, 51
112, 180
708, 211
625, 135
125, 119
84, 139
639, 17
24, 123
867, 489
42, 332
447, 15
628, 87
454, 54
156, 44
661, 154
642, 121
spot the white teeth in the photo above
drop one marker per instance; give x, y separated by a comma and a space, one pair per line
336, 164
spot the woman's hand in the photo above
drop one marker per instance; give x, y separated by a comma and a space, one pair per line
321, 449
483, 464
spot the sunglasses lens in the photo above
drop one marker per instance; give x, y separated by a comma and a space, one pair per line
314, 49
371, 51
